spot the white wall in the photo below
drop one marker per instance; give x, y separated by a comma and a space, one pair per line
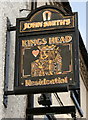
83, 93
16, 104
87, 25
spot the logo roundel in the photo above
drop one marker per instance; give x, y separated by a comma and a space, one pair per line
46, 15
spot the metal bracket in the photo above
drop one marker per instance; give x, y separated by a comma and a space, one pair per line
6, 93
76, 103
45, 99
6, 69
11, 28
9, 93
55, 110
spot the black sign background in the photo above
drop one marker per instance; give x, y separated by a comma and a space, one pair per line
25, 56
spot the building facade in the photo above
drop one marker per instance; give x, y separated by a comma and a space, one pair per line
14, 106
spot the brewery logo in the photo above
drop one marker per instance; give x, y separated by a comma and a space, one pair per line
46, 15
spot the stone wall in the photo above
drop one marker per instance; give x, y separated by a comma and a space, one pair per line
16, 107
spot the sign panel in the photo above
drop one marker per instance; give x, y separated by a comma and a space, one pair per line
45, 60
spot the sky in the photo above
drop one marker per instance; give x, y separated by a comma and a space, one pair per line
80, 7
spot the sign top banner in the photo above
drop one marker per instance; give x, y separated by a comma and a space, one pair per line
46, 19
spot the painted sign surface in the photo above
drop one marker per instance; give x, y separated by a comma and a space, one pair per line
45, 51
45, 59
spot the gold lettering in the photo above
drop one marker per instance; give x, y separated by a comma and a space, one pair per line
62, 39
58, 22
49, 23
41, 41
52, 40
52, 23
23, 43
32, 42
56, 40
68, 21
66, 79
45, 24
28, 83
26, 25
44, 41
46, 82
38, 24
62, 22
68, 38
41, 82
56, 80
37, 41
32, 25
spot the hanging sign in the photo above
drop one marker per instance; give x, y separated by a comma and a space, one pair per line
45, 51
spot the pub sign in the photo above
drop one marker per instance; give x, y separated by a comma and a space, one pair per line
46, 51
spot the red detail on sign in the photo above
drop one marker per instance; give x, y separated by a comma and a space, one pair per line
35, 52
